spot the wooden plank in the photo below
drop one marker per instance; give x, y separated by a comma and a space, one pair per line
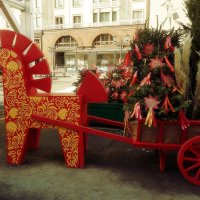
9, 15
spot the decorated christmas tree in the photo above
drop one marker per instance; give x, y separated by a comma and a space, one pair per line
117, 80
153, 92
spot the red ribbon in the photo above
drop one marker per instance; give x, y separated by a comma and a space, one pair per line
168, 44
127, 59
134, 79
183, 120
146, 80
169, 64
167, 103
166, 80
136, 111
139, 56
124, 96
115, 95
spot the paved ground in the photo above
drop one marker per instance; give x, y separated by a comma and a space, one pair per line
114, 171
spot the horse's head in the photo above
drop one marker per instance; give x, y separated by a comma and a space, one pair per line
20, 56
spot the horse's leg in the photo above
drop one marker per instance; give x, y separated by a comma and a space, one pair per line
16, 145
72, 146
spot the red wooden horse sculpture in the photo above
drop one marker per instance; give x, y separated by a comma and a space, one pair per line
21, 60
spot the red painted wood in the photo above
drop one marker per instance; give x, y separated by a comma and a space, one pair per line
189, 160
6, 38
155, 145
43, 84
82, 150
92, 89
33, 54
81, 128
40, 68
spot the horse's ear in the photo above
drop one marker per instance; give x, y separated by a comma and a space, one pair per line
14, 41
92, 89
7, 38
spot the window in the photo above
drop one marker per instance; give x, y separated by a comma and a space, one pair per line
104, 17
77, 3
59, 4
76, 19
138, 14
66, 41
103, 39
70, 60
37, 20
38, 42
59, 20
114, 16
36, 3
94, 17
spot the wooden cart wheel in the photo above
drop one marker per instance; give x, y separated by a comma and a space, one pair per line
189, 160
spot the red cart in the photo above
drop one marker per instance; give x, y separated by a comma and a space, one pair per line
166, 136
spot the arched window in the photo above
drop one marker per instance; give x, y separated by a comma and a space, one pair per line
103, 40
66, 41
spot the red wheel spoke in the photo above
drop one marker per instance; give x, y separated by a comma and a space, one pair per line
193, 167
191, 159
197, 176
196, 147
195, 152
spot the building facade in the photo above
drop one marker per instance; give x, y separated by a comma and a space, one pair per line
86, 33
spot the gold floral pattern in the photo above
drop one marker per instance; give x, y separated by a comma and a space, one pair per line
19, 107
69, 141
62, 113
11, 127
12, 66
13, 112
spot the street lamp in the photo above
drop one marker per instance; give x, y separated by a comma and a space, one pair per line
122, 41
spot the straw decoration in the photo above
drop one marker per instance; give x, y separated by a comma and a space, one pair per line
197, 91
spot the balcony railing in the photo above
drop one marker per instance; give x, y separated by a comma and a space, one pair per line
98, 24
106, 4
